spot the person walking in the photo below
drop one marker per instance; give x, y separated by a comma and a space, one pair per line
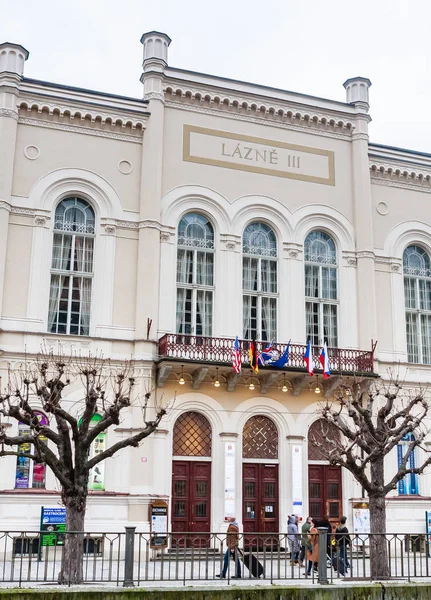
305, 542
343, 540
313, 548
232, 539
293, 538
326, 523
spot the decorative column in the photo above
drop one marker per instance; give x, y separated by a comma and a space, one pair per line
147, 301
357, 95
12, 59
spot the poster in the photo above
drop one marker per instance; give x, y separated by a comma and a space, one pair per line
297, 508
229, 480
52, 520
159, 524
361, 524
97, 475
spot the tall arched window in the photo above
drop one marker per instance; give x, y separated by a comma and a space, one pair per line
417, 296
195, 275
409, 484
72, 268
321, 294
259, 282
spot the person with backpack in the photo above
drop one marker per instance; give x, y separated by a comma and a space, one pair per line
342, 538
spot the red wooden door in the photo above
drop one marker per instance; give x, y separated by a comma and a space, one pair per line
260, 503
191, 501
324, 492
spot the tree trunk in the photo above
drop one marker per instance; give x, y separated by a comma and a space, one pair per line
73, 549
379, 564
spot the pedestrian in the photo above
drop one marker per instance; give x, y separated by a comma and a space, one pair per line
305, 542
343, 540
313, 548
293, 538
326, 523
232, 539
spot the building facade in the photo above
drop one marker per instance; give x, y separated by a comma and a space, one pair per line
207, 210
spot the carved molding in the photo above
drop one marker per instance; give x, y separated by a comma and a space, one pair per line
40, 221
425, 188
365, 254
249, 119
293, 251
150, 224
5, 205
9, 113
105, 133
110, 229
166, 236
360, 136
155, 96
127, 224
17, 210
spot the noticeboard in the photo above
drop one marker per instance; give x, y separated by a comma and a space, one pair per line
158, 524
53, 521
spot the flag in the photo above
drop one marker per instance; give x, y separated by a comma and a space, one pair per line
253, 356
308, 359
265, 357
236, 356
324, 361
283, 360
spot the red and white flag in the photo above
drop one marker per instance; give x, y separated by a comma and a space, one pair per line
236, 356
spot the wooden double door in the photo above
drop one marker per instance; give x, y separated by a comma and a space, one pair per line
260, 503
191, 502
325, 492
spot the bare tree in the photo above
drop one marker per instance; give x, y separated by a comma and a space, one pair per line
64, 445
372, 423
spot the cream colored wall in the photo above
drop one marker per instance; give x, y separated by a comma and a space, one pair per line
126, 256
234, 184
65, 149
17, 275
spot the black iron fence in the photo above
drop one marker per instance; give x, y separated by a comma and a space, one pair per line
128, 558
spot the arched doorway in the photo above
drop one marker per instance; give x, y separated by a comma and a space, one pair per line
324, 480
191, 475
260, 475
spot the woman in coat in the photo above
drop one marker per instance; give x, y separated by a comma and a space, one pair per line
293, 537
313, 548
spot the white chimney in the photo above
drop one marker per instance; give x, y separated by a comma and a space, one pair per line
12, 58
357, 91
156, 46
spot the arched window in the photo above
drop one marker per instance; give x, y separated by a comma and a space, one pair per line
409, 484
192, 435
71, 268
195, 276
321, 294
417, 296
259, 282
260, 438
29, 473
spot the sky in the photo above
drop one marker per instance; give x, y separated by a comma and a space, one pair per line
308, 46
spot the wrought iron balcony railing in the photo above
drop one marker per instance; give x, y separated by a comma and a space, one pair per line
194, 348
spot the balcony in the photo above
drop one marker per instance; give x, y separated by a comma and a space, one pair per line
200, 356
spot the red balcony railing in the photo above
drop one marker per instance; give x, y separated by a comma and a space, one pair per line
193, 348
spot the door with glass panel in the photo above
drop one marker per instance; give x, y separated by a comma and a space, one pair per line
260, 504
191, 503
324, 492
195, 278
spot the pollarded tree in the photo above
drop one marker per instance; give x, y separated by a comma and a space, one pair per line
373, 422
64, 445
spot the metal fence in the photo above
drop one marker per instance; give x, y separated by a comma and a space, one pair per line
128, 558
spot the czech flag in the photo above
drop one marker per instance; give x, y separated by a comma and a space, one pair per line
308, 359
324, 361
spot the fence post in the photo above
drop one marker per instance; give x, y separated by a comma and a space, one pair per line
323, 544
129, 557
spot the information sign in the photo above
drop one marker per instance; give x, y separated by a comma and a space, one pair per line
53, 521
158, 524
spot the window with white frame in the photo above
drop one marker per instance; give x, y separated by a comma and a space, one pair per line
409, 484
72, 268
417, 297
30, 473
321, 293
259, 282
195, 276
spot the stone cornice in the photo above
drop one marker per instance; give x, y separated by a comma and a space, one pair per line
106, 133
9, 113
294, 118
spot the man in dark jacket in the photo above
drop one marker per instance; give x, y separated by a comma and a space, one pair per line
325, 523
342, 538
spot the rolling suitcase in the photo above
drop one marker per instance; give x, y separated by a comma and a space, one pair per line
338, 564
253, 565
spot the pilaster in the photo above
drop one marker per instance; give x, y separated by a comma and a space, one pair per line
12, 59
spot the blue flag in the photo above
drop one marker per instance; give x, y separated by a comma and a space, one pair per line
283, 360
